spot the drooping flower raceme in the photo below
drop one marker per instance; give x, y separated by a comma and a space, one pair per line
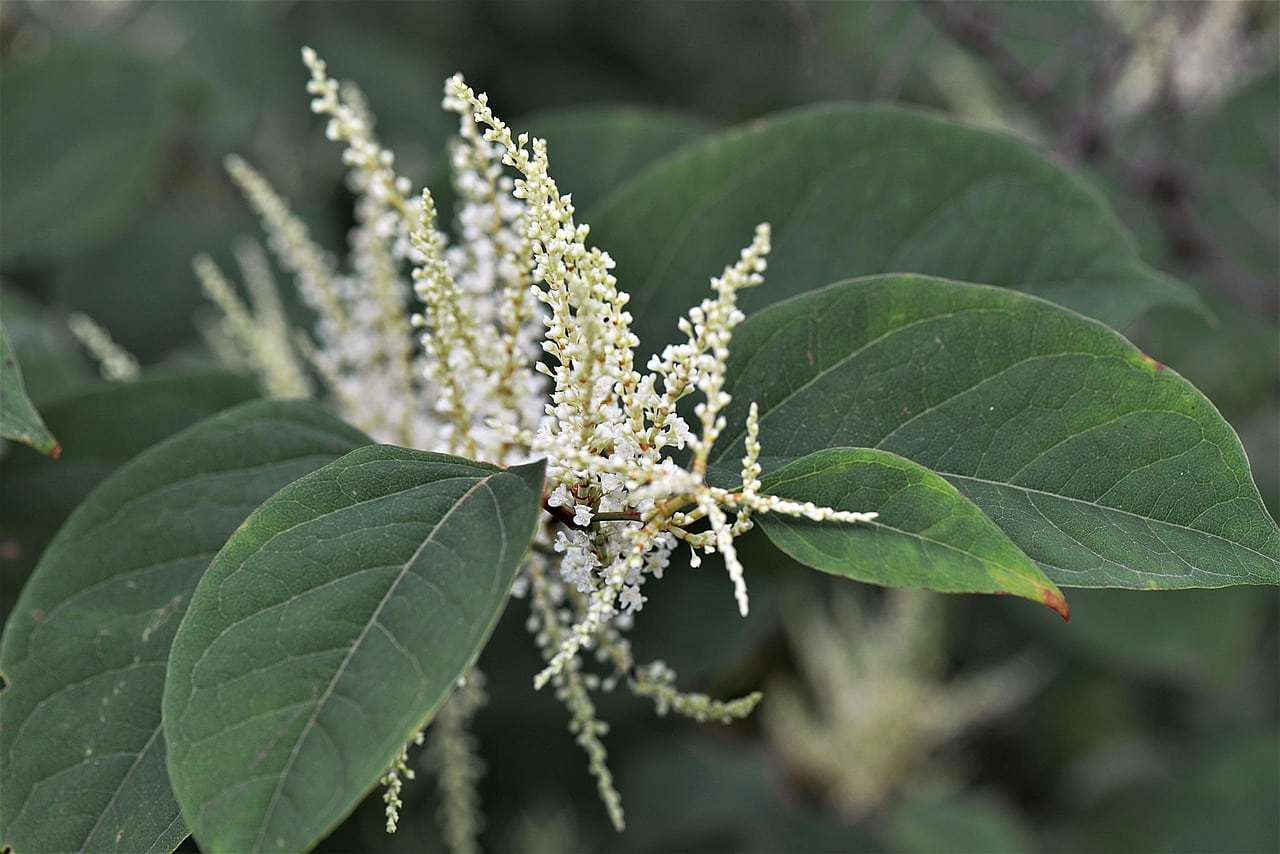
520, 279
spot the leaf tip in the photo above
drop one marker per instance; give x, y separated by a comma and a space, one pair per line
55, 452
1057, 602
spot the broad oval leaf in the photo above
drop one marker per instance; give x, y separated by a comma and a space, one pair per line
81, 132
1104, 467
84, 653
854, 191
596, 150
101, 427
329, 630
18, 417
104, 426
927, 536
149, 263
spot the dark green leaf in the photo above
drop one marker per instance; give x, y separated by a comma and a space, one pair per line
84, 653
80, 135
857, 191
927, 536
329, 630
937, 820
1182, 794
711, 794
102, 427
1106, 468
1230, 795
1234, 361
1232, 148
596, 150
149, 264
18, 418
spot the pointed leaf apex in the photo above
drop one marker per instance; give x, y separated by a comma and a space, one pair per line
1055, 600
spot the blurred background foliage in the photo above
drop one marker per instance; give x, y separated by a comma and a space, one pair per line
1152, 722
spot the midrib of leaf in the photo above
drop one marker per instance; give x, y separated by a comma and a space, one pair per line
71, 686
110, 805
333, 681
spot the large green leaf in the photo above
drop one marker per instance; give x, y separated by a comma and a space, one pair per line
596, 150
101, 427
18, 417
1231, 147
149, 263
81, 133
1106, 468
84, 653
930, 817
858, 191
329, 630
927, 536
104, 426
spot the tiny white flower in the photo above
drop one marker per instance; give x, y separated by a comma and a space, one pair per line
631, 600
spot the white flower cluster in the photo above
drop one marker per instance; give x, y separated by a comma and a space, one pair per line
520, 279
608, 429
874, 696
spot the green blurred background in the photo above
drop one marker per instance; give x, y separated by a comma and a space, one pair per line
1152, 722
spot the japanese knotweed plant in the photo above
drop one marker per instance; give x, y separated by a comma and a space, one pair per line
616, 501
238, 632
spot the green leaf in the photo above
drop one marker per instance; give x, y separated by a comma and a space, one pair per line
102, 427
927, 536
84, 653
80, 135
1231, 146
329, 630
931, 818
1106, 468
858, 191
18, 417
1229, 796
149, 263
596, 150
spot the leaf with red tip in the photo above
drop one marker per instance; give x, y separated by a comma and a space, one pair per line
927, 535
18, 417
